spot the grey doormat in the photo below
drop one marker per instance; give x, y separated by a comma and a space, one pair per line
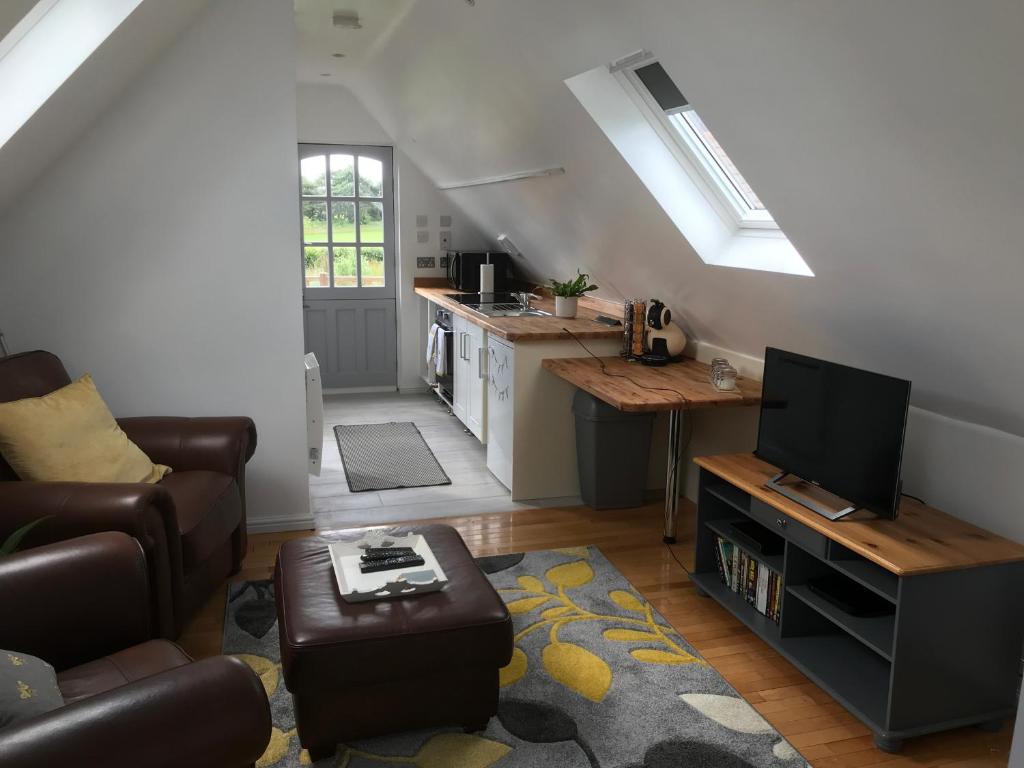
379, 457
598, 679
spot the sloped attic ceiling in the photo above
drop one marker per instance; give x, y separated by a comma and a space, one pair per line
66, 114
884, 137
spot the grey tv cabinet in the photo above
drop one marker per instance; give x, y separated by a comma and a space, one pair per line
947, 655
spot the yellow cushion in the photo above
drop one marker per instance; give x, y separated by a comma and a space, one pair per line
70, 435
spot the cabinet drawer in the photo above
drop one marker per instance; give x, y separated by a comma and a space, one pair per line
788, 528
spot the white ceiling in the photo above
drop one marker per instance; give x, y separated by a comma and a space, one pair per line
880, 135
317, 38
11, 12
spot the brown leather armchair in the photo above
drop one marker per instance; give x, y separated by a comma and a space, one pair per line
129, 702
191, 524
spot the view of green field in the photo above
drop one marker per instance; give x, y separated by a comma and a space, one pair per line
342, 217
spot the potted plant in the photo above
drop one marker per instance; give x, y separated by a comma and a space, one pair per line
10, 545
567, 294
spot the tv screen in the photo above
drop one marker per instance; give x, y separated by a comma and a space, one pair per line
838, 427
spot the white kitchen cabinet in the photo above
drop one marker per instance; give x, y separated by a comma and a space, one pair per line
500, 412
531, 434
460, 364
476, 407
469, 401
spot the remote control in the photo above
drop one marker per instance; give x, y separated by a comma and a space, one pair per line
386, 552
391, 564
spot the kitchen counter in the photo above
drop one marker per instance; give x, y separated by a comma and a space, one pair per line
520, 329
639, 388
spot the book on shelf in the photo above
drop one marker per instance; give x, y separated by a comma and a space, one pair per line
748, 577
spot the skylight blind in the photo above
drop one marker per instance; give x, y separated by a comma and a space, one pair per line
661, 87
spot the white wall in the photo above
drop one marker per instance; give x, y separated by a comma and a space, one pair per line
332, 114
159, 252
878, 134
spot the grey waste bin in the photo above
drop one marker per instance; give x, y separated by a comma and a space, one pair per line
612, 449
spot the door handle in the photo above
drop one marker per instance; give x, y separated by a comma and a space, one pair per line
481, 358
462, 345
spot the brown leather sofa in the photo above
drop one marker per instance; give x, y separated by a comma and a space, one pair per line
191, 524
129, 702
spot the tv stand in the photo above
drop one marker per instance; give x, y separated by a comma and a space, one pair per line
799, 494
945, 656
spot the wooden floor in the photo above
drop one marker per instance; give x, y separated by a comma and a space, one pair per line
824, 732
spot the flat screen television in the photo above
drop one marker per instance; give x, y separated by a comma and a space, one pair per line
837, 427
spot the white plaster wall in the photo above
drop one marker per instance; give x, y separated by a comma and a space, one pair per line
331, 114
158, 253
878, 134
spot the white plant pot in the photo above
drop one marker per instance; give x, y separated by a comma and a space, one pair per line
565, 306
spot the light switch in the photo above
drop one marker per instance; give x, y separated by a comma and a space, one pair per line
422, 236
446, 221
421, 220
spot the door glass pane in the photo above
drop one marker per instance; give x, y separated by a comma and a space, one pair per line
315, 260
371, 222
342, 176
343, 222
371, 177
345, 268
314, 221
314, 175
372, 264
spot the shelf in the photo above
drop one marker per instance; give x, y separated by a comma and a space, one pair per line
735, 604
731, 495
853, 675
876, 632
867, 574
724, 529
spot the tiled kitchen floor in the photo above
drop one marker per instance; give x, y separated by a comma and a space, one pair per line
473, 490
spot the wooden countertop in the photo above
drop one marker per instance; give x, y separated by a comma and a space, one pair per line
688, 379
527, 328
921, 540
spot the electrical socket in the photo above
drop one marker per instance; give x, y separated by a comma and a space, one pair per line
425, 262
446, 240
444, 262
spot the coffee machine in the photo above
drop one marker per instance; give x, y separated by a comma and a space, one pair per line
665, 341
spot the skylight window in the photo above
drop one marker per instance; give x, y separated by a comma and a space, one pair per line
671, 150
693, 138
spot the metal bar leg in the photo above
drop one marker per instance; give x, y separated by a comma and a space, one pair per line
674, 473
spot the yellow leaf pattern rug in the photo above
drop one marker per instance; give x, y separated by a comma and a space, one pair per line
598, 679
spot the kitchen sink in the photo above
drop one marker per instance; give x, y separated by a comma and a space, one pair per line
497, 305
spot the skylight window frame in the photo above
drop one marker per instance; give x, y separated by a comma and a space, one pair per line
698, 161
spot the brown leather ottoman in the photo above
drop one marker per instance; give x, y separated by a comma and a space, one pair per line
365, 669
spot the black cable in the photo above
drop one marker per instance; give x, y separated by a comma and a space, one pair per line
915, 498
686, 441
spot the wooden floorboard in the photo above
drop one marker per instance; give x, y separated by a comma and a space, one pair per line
827, 735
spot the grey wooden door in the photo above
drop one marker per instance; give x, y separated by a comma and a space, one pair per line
348, 263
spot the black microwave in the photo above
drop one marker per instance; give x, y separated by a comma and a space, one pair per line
464, 270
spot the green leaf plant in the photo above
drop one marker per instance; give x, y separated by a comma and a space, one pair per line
12, 542
576, 287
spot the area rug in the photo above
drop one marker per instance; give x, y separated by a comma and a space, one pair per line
379, 457
598, 679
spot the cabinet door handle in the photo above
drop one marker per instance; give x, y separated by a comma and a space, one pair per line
481, 358
465, 347
782, 522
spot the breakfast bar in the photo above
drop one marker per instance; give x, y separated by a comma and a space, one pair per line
675, 388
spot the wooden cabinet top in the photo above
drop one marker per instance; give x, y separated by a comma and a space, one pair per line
921, 540
635, 387
517, 329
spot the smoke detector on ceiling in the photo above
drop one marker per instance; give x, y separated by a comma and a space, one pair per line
347, 20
